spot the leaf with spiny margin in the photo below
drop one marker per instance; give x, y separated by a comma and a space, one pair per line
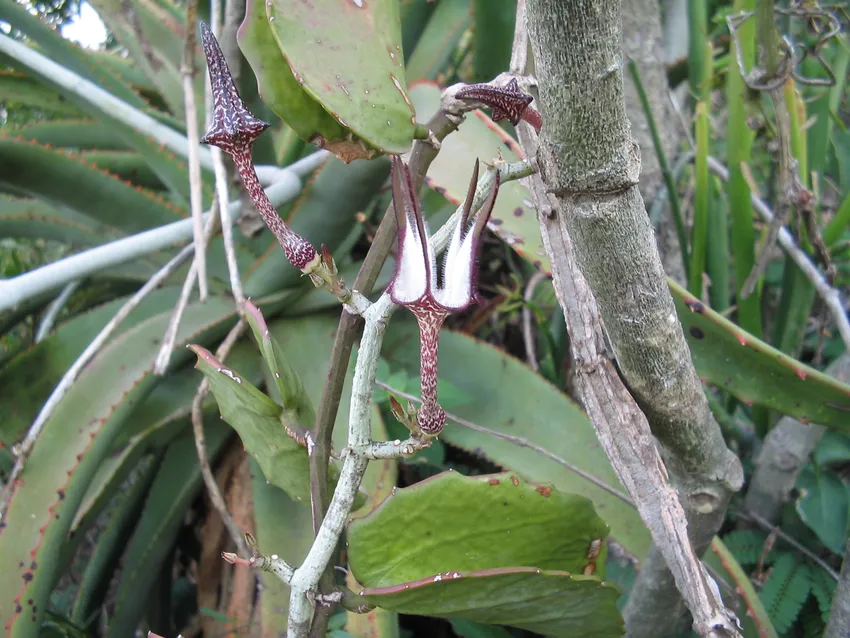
513, 218
154, 38
785, 590
438, 43
18, 89
73, 443
36, 219
751, 370
175, 487
824, 505
750, 611
67, 53
276, 85
558, 425
70, 181
131, 167
72, 133
494, 549
257, 419
347, 56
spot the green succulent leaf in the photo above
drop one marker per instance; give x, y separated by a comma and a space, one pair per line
444, 547
439, 40
559, 426
73, 443
20, 89
257, 419
347, 56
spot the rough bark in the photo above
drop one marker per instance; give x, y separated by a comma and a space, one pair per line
588, 160
839, 615
643, 43
786, 449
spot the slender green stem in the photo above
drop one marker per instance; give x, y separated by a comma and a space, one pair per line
669, 180
699, 237
767, 37
718, 247
698, 37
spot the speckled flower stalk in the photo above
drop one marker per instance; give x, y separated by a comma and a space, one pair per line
234, 130
415, 282
507, 102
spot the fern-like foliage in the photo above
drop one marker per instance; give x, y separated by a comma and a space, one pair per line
785, 591
747, 547
823, 587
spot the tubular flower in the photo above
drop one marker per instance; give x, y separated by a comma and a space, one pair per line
415, 283
234, 129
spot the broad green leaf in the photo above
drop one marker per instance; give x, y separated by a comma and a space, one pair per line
824, 505
464, 523
472, 629
175, 487
833, 448
501, 389
552, 603
494, 37
489, 548
277, 85
438, 44
72, 445
347, 56
257, 419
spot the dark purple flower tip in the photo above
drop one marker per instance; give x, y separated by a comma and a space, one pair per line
233, 127
507, 102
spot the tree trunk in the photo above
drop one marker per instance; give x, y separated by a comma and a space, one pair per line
589, 161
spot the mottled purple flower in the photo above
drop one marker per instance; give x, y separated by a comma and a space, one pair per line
415, 283
234, 129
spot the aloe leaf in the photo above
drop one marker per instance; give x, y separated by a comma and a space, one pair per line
130, 167
466, 563
559, 425
176, 485
112, 541
66, 52
73, 133
276, 84
20, 89
439, 41
348, 57
154, 38
71, 181
324, 214
754, 371
258, 420
72, 444
35, 219
27, 381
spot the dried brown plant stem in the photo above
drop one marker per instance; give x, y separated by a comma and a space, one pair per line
200, 443
606, 268
196, 203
